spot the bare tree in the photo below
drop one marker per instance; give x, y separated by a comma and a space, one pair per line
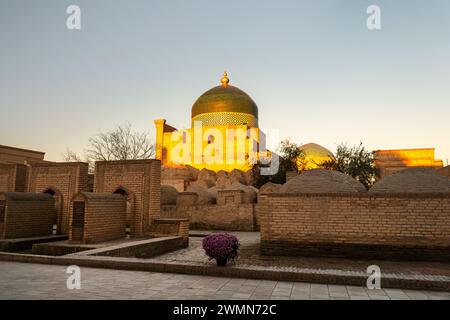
71, 156
119, 143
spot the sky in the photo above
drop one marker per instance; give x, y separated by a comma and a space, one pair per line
315, 70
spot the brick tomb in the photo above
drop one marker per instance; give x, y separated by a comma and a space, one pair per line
26, 215
97, 217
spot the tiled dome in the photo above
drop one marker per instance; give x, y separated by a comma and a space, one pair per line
315, 155
413, 180
316, 150
322, 181
225, 105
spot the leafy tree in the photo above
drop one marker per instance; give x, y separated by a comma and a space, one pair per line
355, 161
291, 158
119, 143
292, 155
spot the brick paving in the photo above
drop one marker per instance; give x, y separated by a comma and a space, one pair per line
37, 281
249, 256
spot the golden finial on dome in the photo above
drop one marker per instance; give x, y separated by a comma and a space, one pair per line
225, 80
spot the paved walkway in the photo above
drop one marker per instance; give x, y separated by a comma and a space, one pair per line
36, 281
249, 255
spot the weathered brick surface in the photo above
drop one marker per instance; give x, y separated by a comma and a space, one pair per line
141, 180
2, 217
444, 171
257, 215
26, 244
392, 161
391, 225
322, 181
12, 155
215, 217
104, 218
26, 215
13, 178
170, 227
229, 197
413, 180
185, 199
65, 179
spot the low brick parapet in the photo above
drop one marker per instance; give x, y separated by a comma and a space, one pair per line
140, 249
170, 227
393, 226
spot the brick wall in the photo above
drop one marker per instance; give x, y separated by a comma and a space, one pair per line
229, 197
13, 178
2, 217
214, 217
445, 171
66, 179
104, 218
12, 155
141, 179
179, 184
170, 227
27, 215
186, 199
391, 161
404, 226
155, 191
230, 213
256, 216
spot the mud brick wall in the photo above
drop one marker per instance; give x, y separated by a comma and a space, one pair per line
186, 199
229, 197
395, 226
27, 215
256, 216
179, 184
65, 179
141, 179
214, 217
170, 227
444, 171
104, 217
13, 178
2, 217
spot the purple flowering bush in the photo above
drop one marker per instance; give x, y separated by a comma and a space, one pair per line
221, 246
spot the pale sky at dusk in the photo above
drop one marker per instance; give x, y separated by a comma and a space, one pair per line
314, 69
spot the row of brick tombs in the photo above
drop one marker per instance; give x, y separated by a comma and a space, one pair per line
57, 201
95, 217
292, 222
